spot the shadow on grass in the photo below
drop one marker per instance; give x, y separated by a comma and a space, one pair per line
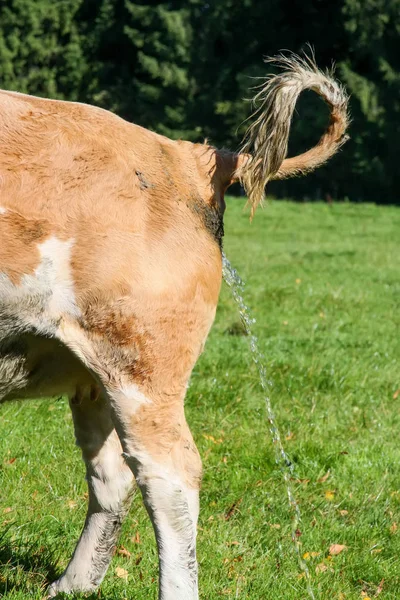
29, 567
30, 558
36, 561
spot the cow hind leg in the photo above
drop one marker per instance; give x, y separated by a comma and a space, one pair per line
110, 484
160, 451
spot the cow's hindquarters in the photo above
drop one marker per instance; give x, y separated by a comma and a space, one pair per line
142, 352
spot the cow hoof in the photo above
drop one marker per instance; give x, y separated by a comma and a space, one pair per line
63, 587
52, 591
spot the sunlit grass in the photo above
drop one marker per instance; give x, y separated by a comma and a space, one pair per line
323, 283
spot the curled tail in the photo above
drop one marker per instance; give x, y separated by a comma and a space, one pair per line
265, 144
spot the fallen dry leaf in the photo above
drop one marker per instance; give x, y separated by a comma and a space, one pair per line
393, 528
336, 549
275, 526
122, 551
344, 512
396, 394
379, 588
8, 510
321, 568
136, 538
232, 509
121, 573
324, 478
72, 504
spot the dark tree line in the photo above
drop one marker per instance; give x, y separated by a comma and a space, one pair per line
183, 69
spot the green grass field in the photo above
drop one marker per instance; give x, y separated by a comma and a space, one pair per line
324, 285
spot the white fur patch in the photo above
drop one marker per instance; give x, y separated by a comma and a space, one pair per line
129, 399
2, 210
55, 269
40, 299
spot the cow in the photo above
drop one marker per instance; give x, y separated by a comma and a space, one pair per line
110, 272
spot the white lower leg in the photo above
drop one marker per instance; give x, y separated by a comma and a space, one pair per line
110, 483
173, 509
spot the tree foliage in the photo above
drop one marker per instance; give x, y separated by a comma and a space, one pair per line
184, 68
